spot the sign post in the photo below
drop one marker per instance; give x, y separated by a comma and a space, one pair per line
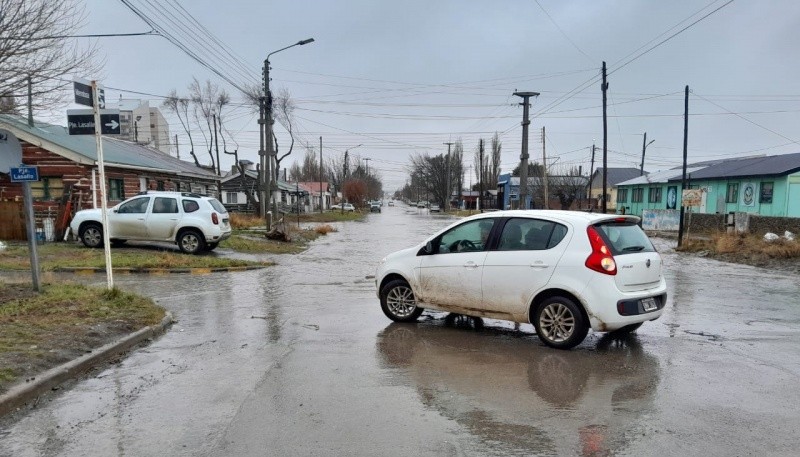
81, 122
25, 175
98, 134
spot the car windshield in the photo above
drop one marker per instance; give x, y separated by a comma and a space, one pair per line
625, 237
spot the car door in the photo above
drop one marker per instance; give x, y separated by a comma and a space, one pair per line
527, 253
127, 221
450, 277
163, 218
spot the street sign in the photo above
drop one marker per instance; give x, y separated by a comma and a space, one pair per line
24, 173
692, 197
81, 122
10, 151
84, 95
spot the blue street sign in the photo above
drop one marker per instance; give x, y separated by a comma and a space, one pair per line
20, 174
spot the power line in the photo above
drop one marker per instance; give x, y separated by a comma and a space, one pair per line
562, 31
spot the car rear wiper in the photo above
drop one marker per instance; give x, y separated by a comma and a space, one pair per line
633, 248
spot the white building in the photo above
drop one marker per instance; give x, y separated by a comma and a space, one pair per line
143, 124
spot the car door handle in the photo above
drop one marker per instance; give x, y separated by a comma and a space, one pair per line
471, 265
539, 265
140, 218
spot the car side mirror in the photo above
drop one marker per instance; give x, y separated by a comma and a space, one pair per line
116, 210
429, 247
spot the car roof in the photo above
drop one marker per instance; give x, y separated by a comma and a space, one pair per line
577, 217
173, 194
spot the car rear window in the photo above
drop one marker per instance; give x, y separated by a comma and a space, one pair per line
625, 238
217, 205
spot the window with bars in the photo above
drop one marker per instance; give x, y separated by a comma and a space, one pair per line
116, 189
47, 188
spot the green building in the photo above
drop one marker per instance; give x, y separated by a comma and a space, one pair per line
768, 186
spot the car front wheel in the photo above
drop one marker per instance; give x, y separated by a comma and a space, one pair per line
560, 323
92, 235
398, 302
191, 242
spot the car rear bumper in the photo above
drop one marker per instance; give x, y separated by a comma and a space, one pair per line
610, 309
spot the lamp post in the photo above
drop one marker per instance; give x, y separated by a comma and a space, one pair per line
267, 151
345, 169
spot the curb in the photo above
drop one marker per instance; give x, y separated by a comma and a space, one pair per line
19, 395
157, 271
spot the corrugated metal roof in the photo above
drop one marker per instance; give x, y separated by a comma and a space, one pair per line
659, 176
777, 165
615, 176
116, 152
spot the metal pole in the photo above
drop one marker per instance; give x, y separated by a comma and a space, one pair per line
544, 170
216, 146
320, 175
297, 200
177, 148
644, 146
98, 135
480, 179
685, 158
604, 87
30, 105
31, 222
591, 179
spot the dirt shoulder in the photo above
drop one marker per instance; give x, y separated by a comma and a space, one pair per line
780, 255
39, 331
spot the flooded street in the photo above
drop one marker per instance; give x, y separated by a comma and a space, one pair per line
298, 359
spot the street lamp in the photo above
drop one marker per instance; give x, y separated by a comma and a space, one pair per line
267, 152
345, 166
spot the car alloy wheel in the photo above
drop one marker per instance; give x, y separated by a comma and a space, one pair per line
191, 242
398, 302
92, 236
557, 322
560, 323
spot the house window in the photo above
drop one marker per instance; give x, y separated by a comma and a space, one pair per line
622, 195
654, 195
47, 188
232, 198
732, 195
116, 189
766, 192
636, 195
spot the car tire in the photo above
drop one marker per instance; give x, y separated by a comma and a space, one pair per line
211, 246
398, 302
191, 242
91, 235
560, 323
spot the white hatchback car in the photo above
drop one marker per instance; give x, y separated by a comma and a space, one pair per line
194, 222
562, 271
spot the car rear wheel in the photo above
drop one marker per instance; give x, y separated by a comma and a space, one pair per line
91, 235
560, 323
398, 302
191, 242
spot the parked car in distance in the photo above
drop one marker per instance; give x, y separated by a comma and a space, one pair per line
422, 204
194, 222
562, 271
434, 208
375, 207
391, 203
349, 207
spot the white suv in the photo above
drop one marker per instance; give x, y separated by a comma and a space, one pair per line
194, 222
562, 271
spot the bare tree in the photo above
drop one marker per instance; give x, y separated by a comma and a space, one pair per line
33, 45
494, 166
430, 173
282, 110
180, 106
208, 101
568, 185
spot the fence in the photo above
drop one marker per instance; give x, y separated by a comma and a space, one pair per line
12, 221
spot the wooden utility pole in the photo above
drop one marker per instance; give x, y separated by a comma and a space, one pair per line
544, 172
177, 148
604, 87
644, 146
320, 175
591, 178
480, 177
685, 158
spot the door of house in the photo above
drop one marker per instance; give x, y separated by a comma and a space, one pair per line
793, 209
12, 221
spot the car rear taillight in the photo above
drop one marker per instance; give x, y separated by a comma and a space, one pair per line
214, 218
600, 259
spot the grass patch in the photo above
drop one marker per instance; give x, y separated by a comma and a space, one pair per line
325, 229
254, 242
245, 221
60, 255
63, 321
329, 216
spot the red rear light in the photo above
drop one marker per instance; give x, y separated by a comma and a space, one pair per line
214, 218
600, 259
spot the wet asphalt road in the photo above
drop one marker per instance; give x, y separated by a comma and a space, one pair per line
299, 360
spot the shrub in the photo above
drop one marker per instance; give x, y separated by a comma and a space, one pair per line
241, 221
325, 229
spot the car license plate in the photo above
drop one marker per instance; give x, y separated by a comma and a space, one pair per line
649, 304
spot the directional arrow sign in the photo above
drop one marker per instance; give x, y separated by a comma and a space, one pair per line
81, 122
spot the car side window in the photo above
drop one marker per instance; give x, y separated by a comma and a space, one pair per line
469, 237
522, 234
190, 206
163, 205
135, 206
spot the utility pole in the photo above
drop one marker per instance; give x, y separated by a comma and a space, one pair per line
591, 178
30, 108
344, 177
523, 169
685, 158
449, 188
367, 159
267, 159
645, 144
320, 175
177, 148
480, 177
604, 87
544, 166
216, 145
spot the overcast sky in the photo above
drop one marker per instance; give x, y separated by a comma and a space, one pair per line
405, 77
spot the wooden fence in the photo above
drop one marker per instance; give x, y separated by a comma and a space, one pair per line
12, 221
